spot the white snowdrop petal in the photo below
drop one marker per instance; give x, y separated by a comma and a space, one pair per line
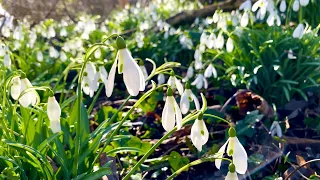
131, 74
179, 85
53, 109
190, 72
171, 82
240, 158
205, 82
208, 71
220, 153
184, 103
231, 176
161, 79
283, 6
296, 6
55, 126
229, 45
110, 83
244, 19
196, 101
15, 88
168, 117
177, 113
304, 2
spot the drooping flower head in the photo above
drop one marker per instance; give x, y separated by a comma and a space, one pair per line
199, 133
175, 83
236, 150
188, 97
171, 113
54, 114
132, 75
275, 129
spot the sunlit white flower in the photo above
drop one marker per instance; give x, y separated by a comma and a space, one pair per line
283, 6
244, 19
299, 31
210, 71
236, 150
63, 56
97, 53
246, 5
222, 23
291, 55
175, 83
51, 32
144, 70
15, 87
185, 41
210, 42
229, 45
232, 175
262, 4
90, 79
295, 5
7, 61
132, 75
63, 32
186, 98
39, 56
275, 129
199, 133
161, 79
53, 52
54, 114
190, 72
215, 17
220, 41
273, 18
200, 82
29, 97
203, 38
171, 113
304, 2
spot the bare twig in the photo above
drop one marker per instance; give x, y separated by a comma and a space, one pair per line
299, 167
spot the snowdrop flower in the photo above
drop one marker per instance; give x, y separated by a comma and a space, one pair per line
63, 32
54, 114
97, 53
15, 87
291, 55
215, 17
229, 45
304, 2
200, 82
161, 79
143, 69
53, 52
186, 98
199, 133
175, 83
51, 32
222, 23
203, 38
190, 72
39, 56
211, 40
132, 75
171, 113
18, 86
185, 41
283, 6
236, 150
295, 5
262, 4
273, 17
246, 5
232, 175
244, 19
220, 41
63, 56
7, 61
89, 82
276, 129
299, 31
210, 71
198, 57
